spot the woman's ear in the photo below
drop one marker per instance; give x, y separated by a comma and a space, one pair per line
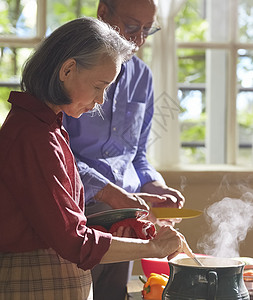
67, 67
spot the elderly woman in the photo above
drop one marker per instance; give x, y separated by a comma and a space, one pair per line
46, 249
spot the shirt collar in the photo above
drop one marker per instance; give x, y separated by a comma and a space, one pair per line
122, 70
35, 106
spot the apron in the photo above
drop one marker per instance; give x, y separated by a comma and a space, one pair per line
42, 275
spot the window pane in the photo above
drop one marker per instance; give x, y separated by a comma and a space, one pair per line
60, 12
4, 105
11, 62
18, 17
245, 68
245, 106
204, 20
191, 95
191, 66
245, 125
245, 21
192, 126
191, 21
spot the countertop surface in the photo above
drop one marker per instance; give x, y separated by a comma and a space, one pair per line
134, 288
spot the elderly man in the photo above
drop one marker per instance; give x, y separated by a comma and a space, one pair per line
111, 150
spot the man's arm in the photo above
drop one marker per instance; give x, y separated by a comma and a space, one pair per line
101, 189
92, 180
151, 180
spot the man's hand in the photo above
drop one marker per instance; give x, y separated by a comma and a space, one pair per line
173, 197
117, 197
154, 193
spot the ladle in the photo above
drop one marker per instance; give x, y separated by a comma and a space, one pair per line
198, 261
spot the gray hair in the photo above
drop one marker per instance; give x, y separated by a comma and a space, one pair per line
86, 40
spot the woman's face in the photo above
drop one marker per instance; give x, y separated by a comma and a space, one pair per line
86, 87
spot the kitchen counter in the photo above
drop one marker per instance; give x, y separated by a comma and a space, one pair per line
134, 288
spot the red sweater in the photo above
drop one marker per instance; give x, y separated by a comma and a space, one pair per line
41, 194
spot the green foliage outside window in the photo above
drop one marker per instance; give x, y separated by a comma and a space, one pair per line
60, 12
4, 105
192, 27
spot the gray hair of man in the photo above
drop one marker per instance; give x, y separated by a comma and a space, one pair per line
87, 40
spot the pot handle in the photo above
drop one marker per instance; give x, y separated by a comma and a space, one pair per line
212, 285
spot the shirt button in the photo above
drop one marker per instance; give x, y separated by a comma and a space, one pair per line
114, 129
106, 153
116, 171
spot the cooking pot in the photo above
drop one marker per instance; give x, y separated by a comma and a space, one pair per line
219, 278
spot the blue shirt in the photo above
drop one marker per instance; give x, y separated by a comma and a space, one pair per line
114, 148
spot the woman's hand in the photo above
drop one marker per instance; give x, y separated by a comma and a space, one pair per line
169, 243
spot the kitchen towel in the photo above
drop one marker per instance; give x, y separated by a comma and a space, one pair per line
143, 229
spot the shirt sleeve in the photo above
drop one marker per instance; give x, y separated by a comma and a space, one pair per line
50, 194
92, 180
145, 171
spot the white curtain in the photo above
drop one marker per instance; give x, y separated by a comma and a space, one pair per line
163, 150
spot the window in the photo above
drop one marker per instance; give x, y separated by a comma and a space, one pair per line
214, 47
214, 52
217, 73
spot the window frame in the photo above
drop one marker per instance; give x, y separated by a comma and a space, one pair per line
230, 144
15, 41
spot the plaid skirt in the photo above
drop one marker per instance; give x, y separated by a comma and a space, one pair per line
42, 275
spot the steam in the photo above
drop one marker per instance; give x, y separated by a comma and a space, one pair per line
229, 221
183, 183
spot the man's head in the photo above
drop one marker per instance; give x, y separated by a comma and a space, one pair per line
134, 19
